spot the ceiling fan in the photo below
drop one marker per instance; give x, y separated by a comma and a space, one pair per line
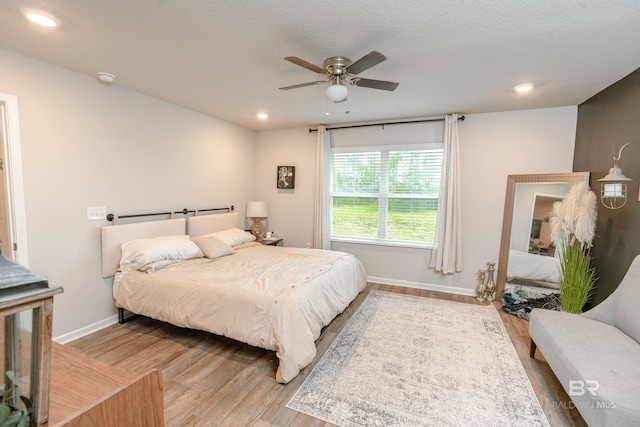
340, 70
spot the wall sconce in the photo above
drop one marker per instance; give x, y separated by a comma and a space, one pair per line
257, 211
613, 187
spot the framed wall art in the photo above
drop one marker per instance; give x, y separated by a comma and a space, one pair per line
286, 177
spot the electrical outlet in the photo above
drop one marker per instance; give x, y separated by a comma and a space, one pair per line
95, 214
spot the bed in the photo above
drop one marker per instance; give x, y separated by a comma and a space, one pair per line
541, 268
276, 298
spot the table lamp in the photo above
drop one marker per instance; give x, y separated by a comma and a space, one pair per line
257, 211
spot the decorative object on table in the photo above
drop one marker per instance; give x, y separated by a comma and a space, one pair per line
26, 307
286, 177
573, 224
472, 375
490, 286
613, 187
257, 211
480, 290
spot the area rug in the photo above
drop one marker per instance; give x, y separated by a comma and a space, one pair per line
410, 361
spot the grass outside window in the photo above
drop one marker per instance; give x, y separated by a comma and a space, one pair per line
359, 219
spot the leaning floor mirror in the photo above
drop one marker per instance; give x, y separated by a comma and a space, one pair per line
527, 255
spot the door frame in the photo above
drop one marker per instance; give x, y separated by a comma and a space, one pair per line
17, 219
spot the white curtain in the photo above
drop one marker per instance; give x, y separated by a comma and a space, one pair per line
321, 200
446, 256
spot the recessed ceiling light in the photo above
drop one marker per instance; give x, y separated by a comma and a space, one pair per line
39, 17
262, 116
524, 87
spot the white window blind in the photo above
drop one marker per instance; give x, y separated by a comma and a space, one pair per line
385, 194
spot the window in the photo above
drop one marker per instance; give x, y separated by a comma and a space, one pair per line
388, 195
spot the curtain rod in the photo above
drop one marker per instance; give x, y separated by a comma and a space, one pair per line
112, 217
386, 123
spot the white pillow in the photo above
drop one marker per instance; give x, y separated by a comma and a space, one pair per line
212, 247
138, 253
152, 267
234, 236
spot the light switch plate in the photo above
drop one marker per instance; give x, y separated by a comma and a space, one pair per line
96, 213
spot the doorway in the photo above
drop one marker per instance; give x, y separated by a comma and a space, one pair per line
5, 242
13, 222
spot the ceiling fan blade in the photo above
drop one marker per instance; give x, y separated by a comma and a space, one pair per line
303, 85
369, 60
305, 64
375, 84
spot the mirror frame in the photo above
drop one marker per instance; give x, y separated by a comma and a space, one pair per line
507, 220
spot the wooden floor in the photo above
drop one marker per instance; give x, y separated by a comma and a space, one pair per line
215, 381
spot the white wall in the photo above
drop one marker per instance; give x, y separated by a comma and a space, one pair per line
290, 211
492, 146
87, 144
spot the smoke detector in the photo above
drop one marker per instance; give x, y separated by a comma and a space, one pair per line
106, 77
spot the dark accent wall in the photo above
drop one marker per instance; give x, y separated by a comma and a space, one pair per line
606, 122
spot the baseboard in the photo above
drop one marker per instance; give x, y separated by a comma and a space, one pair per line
425, 286
79, 333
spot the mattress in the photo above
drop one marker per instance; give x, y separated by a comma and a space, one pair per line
277, 298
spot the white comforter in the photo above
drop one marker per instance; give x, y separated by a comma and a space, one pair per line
277, 298
524, 265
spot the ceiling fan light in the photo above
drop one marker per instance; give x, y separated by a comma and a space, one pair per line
337, 92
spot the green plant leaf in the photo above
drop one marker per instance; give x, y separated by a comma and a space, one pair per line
10, 416
12, 377
5, 411
24, 420
578, 277
12, 421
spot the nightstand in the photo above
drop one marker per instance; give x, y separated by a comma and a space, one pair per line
272, 241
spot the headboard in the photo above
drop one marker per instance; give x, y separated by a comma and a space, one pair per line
114, 235
206, 224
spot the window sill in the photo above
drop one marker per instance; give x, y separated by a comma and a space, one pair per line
397, 244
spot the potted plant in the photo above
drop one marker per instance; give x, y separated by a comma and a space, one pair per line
573, 223
11, 416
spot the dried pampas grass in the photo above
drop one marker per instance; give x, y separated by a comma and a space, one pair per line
575, 217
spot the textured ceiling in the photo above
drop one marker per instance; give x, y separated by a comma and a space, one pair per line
225, 58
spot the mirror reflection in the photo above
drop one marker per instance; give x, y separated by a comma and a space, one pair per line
528, 259
533, 259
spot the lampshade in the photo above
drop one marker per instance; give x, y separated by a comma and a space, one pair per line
256, 210
337, 92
